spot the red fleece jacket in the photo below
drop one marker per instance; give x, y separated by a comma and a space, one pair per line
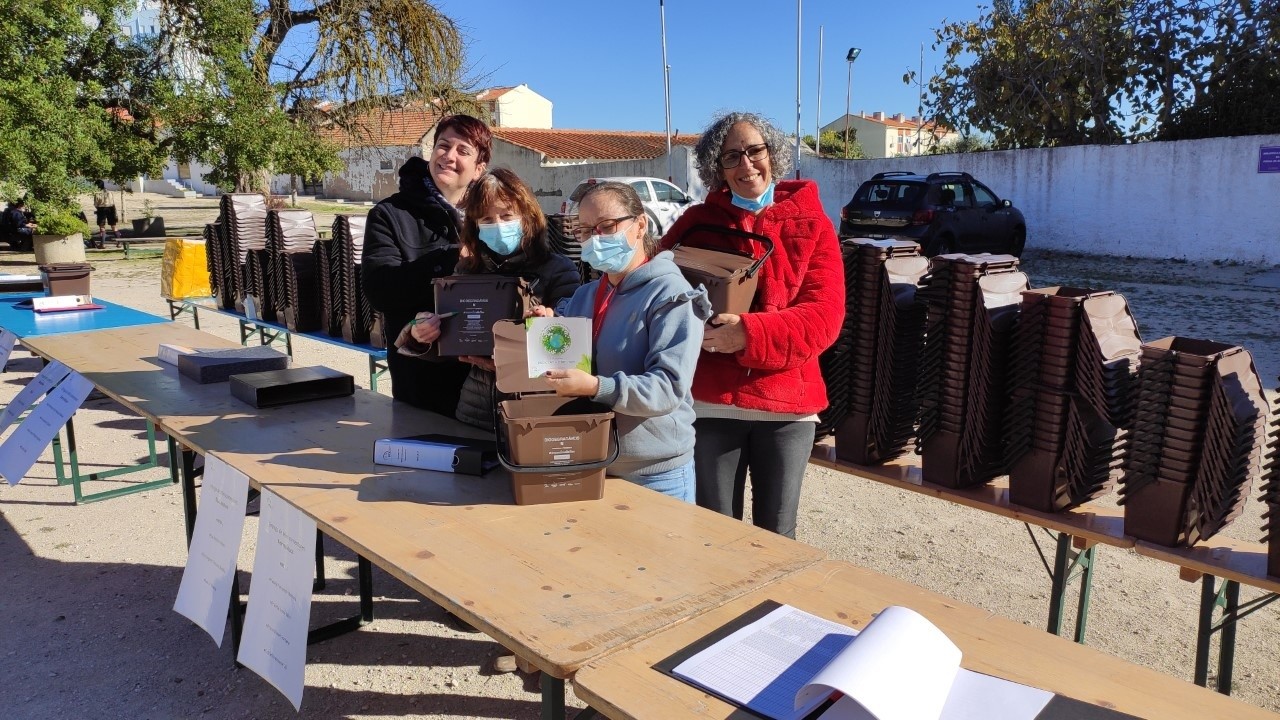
798, 309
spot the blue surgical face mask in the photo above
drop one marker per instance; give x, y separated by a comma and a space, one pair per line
757, 204
608, 253
503, 237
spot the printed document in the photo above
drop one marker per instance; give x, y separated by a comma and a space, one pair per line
900, 667
205, 592
23, 447
558, 343
274, 643
50, 376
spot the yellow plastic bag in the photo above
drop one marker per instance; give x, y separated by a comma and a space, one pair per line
185, 270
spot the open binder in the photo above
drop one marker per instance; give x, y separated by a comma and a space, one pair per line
781, 663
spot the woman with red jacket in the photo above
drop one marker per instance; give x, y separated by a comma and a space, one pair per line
758, 387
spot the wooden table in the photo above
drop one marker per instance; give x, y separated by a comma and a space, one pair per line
1080, 530
558, 584
625, 685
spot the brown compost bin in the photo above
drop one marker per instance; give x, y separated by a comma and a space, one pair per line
730, 277
469, 305
66, 278
556, 448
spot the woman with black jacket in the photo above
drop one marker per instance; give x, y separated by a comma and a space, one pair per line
412, 238
505, 233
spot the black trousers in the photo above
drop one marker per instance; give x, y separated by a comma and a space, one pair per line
773, 454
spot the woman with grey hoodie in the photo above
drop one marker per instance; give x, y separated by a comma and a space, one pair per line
647, 324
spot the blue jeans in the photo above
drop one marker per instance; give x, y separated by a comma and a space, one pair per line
678, 483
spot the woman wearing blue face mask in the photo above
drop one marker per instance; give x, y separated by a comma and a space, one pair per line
759, 388
505, 233
647, 325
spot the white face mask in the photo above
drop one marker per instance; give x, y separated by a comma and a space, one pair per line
503, 238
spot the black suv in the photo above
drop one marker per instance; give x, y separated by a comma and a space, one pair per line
944, 212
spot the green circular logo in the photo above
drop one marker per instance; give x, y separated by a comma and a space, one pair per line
556, 339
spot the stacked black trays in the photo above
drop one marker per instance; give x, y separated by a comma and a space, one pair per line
1199, 428
562, 232
871, 369
244, 227
1271, 496
357, 314
293, 235
328, 273
972, 304
1071, 375
220, 267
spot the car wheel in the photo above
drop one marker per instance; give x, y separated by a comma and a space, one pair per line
658, 230
1019, 242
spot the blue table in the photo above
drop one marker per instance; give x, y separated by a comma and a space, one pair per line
27, 323
270, 333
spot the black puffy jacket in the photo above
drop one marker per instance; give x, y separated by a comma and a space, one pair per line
411, 239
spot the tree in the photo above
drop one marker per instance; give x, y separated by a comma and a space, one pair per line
833, 144
1061, 72
273, 71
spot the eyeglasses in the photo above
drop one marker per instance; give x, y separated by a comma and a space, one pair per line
604, 227
733, 158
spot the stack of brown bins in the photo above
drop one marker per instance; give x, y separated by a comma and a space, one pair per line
244, 227
292, 234
836, 362
1198, 432
1271, 496
1071, 376
357, 313
220, 267
328, 274
260, 285
562, 230
972, 303
883, 327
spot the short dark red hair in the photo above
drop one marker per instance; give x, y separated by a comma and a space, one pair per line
473, 130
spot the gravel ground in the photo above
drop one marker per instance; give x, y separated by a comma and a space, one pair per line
88, 629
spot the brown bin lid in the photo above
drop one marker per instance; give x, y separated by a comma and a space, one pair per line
511, 359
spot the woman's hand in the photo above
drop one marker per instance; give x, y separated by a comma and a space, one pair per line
540, 311
425, 327
481, 362
573, 383
724, 334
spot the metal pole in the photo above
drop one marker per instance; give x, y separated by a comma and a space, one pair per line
848, 85
799, 3
666, 87
817, 123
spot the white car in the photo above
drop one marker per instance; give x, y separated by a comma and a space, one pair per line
663, 202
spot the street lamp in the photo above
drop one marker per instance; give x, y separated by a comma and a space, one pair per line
848, 87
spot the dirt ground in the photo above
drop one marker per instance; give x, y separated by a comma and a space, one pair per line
88, 631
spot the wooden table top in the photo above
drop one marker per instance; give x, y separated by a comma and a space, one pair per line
559, 584
625, 685
1095, 523
1220, 556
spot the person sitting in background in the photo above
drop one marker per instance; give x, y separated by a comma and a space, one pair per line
759, 388
647, 324
21, 224
412, 238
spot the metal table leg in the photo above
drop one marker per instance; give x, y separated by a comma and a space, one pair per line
552, 698
75, 478
1068, 565
1226, 596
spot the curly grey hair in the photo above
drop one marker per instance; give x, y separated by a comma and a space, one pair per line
707, 152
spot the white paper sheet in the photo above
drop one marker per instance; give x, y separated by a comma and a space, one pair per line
763, 665
7, 341
900, 668
274, 643
204, 595
23, 447
558, 343
49, 376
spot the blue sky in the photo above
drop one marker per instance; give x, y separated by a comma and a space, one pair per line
600, 61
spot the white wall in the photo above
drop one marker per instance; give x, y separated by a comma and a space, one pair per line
1193, 199
553, 184
521, 107
196, 181
371, 174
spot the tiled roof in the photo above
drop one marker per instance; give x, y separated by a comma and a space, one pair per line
385, 128
907, 123
593, 144
493, 93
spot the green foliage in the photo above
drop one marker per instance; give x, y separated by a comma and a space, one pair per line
1034, 73
54, 220
833, 144
962, 144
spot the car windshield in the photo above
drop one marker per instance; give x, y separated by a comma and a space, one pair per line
888, 195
